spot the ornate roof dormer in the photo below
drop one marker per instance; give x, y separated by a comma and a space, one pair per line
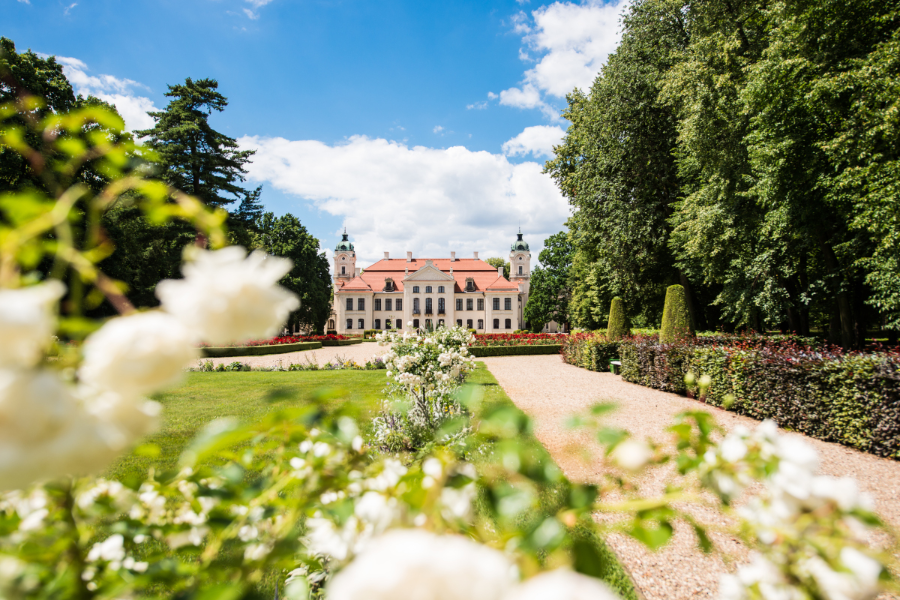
344, 245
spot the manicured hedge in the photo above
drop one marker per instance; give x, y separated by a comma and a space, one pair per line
849, 398
483, 351
342, 342
259, 350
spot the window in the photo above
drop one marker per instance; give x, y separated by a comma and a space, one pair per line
496, 323
441, 308
469, 323
459, 304
468, 304
361, 323
520, 258
387, 323
416, 323
343, 270
470, 285
480, 323
459, 322
415, 289
399, 324
496, 303
349, 303
507, 304
520, 269
440, 289
508, 323
427, 306
377, 305
388, 304
481, 304
360, 304
440, 322
377, 324
428, 324
330, 323
399, 305
427, 289
388, 285
349, 323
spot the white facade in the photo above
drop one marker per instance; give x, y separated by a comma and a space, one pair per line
393, 293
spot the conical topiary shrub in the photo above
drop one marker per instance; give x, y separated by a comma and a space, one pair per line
676, 321
618, 322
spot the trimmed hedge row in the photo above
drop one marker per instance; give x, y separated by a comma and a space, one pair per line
852, 399
341, 342
230, 351
484, 351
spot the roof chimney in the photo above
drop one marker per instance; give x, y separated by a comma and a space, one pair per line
500, 271
452, 256
358, 271
476, 256
387, 255
409, 257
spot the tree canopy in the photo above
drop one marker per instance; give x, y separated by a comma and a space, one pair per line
548, 298
747, 151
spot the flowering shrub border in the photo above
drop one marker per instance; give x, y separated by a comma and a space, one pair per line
849, 398
484, 351
326, 340
229, 351
516, 339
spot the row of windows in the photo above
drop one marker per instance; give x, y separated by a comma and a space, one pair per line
392, 304
399, 323
428, 289
389, 304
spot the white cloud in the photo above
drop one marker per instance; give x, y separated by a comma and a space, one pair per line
397, 198
537, 141
438, 129
575, 40
477, 105
252, 15
258, 3
119, 92
570, 43
25, 1
68, 8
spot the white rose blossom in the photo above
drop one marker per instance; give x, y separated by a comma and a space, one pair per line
27, 322
228, 297
138, 354
414, 564
562, 584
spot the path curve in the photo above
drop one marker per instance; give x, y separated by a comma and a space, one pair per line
550, 390
357, 352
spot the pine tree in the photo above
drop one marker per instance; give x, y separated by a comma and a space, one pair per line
194, 157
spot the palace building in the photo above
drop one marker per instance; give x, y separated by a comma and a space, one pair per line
429, 291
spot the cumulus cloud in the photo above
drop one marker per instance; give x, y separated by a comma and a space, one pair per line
537, 141
119, 92
568, 43
395, 198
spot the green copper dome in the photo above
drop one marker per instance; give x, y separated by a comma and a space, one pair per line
520, 244
344, 245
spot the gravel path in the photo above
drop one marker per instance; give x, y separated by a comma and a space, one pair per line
358, 352
550, 391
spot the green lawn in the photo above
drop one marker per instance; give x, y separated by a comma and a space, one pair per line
248, 395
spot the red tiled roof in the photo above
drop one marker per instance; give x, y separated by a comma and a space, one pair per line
484, 275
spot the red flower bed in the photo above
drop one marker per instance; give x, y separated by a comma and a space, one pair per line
518, 339
289, 339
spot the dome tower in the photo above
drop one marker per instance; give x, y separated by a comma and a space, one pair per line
344, 260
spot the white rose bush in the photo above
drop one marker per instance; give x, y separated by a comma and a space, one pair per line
446, 500
424, 372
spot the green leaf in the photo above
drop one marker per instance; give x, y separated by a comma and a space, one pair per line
652, 534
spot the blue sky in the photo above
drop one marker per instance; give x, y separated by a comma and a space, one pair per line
420, 126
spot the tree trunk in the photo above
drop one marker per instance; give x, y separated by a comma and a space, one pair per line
843, 298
